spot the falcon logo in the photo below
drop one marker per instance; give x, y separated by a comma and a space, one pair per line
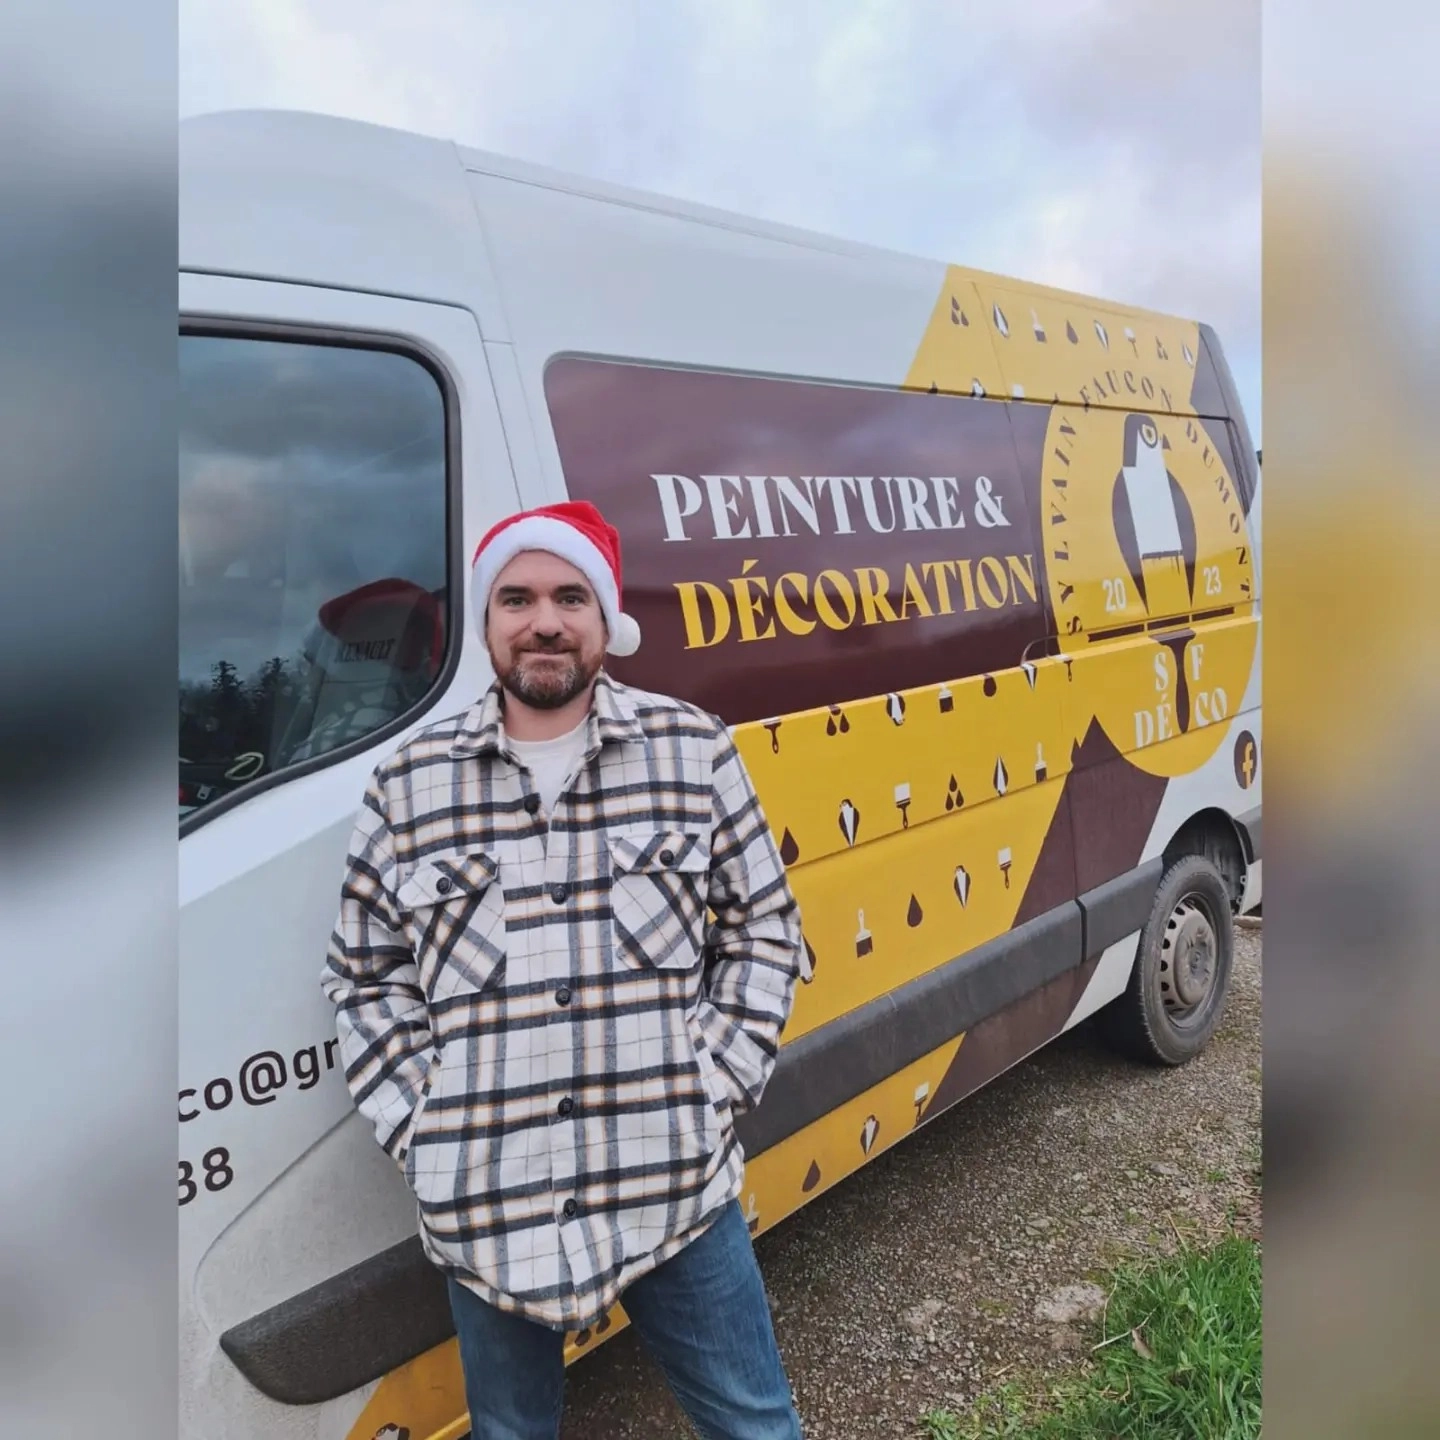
1147, 540
1153, 520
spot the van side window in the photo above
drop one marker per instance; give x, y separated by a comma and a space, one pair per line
313, 555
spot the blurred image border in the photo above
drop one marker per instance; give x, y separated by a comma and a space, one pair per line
1352, 988
87, 649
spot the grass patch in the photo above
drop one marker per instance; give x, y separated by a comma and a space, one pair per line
1182, 1362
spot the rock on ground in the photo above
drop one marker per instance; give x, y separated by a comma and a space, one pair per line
1071, 1303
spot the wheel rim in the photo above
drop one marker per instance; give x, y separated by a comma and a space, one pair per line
1189, 959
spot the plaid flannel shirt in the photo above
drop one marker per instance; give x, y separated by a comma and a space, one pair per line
551, 1026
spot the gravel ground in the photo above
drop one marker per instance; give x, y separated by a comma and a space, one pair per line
916, 1281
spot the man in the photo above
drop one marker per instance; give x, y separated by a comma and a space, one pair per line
545, 1027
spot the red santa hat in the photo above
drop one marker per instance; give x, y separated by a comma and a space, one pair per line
578, 533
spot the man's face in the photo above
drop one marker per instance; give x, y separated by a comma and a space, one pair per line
545, 630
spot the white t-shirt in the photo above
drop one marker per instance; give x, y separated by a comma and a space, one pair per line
551, 761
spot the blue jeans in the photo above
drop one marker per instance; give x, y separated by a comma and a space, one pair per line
702, 1315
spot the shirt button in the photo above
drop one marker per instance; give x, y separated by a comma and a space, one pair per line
532, 804
569, 1209
667, 857
558, 894
442, 886
562, 995
566, 1105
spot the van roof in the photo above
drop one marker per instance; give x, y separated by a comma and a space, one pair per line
310, 198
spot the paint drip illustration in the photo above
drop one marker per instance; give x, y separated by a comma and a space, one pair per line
914, 915
812, 1177
789, 850
957, 315
954, 799
837, 723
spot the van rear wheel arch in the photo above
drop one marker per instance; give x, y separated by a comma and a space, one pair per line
1214, 836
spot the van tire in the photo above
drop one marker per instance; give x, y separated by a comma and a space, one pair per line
1181, 977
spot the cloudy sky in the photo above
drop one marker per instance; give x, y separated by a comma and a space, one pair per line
1111, 146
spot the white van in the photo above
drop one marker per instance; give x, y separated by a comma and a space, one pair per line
970, 566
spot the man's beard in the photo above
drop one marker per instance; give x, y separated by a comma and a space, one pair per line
551, 686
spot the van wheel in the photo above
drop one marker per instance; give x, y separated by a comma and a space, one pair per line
1181, 979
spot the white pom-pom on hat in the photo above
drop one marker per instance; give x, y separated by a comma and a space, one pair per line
578, 533
624, 635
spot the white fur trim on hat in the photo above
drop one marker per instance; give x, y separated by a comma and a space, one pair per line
555, 537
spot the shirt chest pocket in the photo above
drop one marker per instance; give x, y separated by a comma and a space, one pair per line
456, 920
658, 888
